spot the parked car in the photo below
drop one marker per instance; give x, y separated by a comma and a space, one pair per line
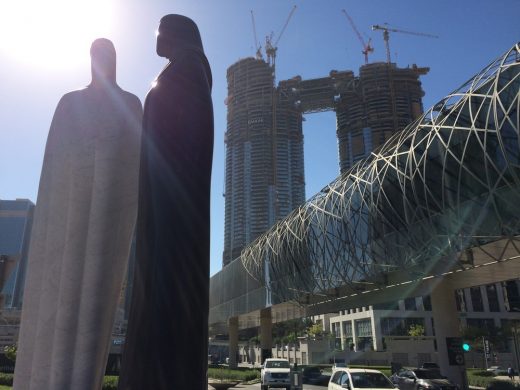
497, 370
314, 375
275, 373
420, 379
430, 366
358, 378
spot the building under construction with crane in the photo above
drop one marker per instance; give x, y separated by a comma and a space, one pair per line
264, 140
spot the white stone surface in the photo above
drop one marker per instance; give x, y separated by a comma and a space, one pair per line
84, 221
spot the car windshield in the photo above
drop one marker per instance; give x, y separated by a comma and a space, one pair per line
428, 374
277, 364
365, 380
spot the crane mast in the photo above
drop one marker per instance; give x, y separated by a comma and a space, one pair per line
270, 48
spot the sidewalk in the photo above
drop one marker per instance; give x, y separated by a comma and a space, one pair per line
506, 378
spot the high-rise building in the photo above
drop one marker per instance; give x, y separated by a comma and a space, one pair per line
264, 155
16, 217
382, 100
264, 139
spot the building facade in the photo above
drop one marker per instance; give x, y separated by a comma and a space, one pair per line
490, 306
16, 217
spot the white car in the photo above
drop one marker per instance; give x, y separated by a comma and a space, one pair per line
275, 373
497, 370
358, 378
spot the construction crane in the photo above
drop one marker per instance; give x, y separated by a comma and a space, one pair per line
366, 46
257, 45
270, 52
386, 36
270, 48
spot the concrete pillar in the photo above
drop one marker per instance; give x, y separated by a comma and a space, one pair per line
233, 341
354, 335
446, 318
342, 335
266, 333
485, 299
500, 294
377, 336
428, 326
467, 298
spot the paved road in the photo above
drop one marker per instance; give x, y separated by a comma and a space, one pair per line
257, 387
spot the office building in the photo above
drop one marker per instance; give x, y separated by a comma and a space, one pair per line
16, 217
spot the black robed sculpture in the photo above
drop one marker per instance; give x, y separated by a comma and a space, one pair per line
166, 344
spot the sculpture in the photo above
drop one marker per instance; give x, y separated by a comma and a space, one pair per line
83, 225
166, 344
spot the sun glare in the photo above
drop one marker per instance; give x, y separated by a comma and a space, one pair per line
53, 34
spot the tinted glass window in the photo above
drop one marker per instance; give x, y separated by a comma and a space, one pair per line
277, 364
409, 304
427, 303
428, 374
335, 377
492, 297
476, 299
365, 380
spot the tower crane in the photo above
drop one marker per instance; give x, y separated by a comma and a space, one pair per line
386, 36
270, 48
366, 46
257, 45
270, 52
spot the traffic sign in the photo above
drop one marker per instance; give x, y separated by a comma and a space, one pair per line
487, 350
455, 351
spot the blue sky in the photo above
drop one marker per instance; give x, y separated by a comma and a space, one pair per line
44, 53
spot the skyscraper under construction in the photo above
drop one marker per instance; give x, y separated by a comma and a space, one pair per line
264, 139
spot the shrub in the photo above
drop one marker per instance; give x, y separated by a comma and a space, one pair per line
110, 382
502, 385
10, 352
6, 379
478, 381
482, 373
236, 375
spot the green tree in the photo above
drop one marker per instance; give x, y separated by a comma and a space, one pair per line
315, 330
254, 340
416, 330
10, 352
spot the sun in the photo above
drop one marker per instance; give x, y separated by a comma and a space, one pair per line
53, 34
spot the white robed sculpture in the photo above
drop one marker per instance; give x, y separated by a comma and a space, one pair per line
82, 232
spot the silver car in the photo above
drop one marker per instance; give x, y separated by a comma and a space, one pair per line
422, 379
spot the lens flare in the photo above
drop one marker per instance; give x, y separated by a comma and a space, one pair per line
53, 34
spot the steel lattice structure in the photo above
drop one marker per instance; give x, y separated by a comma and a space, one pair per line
447, 184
